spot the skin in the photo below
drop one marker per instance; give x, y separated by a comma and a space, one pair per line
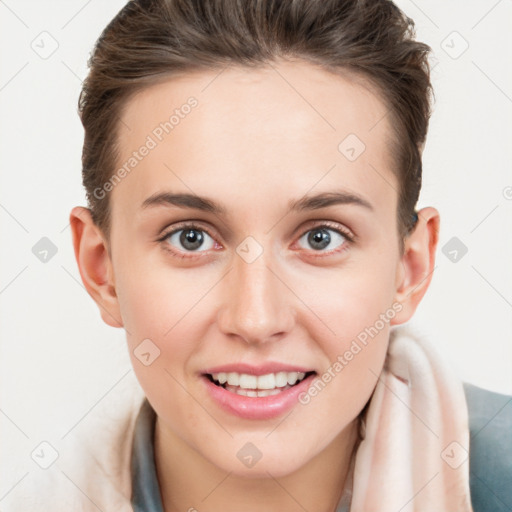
253, 144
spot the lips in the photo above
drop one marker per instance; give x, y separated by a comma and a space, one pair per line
257, 392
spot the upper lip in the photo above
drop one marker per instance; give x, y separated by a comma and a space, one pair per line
261, 369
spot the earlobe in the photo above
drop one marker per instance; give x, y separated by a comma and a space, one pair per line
417, 264
95, 265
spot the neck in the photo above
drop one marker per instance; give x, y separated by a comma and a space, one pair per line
188, 481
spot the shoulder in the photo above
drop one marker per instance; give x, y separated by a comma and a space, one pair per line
490, 448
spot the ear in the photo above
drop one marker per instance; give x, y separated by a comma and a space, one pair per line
95, 265
416, 266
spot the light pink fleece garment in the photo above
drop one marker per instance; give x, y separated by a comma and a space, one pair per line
415, 455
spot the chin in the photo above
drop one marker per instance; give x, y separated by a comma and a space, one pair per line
249, 462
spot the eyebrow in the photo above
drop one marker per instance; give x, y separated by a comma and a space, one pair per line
326, 199
306, 203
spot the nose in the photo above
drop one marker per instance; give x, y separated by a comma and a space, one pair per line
257, 305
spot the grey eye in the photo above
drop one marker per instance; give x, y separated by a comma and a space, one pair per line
320, 238
191, 239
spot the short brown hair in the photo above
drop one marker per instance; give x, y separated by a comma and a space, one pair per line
149, 40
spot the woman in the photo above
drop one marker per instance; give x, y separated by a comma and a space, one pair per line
252, 171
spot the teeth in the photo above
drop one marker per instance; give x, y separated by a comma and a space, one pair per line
293, 377
270, 381
245, 381
281, 379
254, 393
268, 392
267, 381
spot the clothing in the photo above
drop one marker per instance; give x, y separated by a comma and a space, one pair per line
109, 454
414, 455
487, 440
490, 419
490, 422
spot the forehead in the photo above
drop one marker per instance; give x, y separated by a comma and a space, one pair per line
242, 129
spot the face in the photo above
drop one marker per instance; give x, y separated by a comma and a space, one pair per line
256, 282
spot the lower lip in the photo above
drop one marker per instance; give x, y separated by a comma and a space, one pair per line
257, 408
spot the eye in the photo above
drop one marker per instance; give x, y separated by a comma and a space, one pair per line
189, 238
325, 237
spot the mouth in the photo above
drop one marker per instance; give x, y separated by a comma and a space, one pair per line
257, 386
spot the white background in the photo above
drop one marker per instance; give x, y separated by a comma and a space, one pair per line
58, 359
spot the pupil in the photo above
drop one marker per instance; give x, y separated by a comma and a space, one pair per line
319, 239
191, 239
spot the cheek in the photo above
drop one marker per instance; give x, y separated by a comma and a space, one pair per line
357, 309
158, 315
358, 315
155, 313
154, 299
351, 299
339, 394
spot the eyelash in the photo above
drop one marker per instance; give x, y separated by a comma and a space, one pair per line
349, 237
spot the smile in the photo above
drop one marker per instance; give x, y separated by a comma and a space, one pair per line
256, 393
245, 384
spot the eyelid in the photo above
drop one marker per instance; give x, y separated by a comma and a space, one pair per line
344, 231
179, 226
